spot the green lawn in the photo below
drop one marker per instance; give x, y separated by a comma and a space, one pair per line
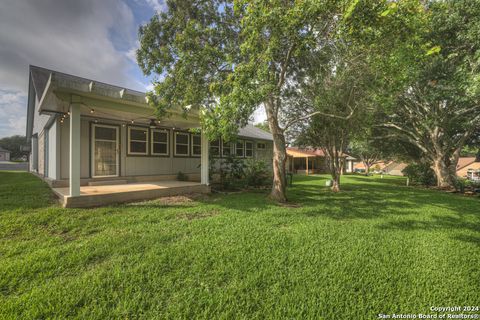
376, 247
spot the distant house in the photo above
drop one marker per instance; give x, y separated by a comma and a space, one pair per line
97, 143
309, 161
4, 155
468, 167
393, 168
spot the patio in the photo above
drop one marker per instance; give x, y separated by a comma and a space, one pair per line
92, 196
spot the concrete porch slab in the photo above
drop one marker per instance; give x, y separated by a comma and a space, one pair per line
94, 196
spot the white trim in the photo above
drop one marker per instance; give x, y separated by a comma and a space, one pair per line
117, 142
232, 148
152, 142
219, 147
242, 142
183, 144
129, 141
261, 144
198, 145
245, 148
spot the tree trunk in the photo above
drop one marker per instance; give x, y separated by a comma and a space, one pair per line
336, 182
367, 169
442, 172
279, 154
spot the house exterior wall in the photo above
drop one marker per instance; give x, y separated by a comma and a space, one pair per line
4, 156
131, 165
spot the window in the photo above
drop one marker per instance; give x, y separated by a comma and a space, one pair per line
137, 141
239, 148
159, 144
196, 145
226, 148
248, 149
215, 148
182, 140
261, 146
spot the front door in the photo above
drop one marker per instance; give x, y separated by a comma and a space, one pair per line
105, 151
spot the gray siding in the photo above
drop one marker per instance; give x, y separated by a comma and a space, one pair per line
129, 165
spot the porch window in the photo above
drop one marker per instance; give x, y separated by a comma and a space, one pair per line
137, 141
182, 144
159, 144
248, 149
215, 148
196, 145
240, 148
226, 148
261, 146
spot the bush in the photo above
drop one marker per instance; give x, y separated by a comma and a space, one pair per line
256, 173
231, 170
182, 176
421, 174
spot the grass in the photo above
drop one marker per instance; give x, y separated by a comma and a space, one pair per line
376, 247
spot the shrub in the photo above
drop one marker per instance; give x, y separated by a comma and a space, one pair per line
420, 173
182, 176
256, 173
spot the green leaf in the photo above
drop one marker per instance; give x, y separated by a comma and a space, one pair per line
434, 50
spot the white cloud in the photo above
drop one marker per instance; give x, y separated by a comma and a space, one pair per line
88, 38
157, 5
12, 109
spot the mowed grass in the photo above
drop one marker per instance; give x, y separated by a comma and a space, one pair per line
376, 247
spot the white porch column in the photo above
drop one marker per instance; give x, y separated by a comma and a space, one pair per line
204, 160
74, 175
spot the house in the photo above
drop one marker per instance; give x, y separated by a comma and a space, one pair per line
309, 161
4, 155
468, 167
96, 143
378, 166
395, 168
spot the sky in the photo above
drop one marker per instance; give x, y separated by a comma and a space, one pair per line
94, 39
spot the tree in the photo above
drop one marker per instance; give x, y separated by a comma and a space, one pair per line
338, 92
14, 144
364, 148
230, 57
438, 110
263, 125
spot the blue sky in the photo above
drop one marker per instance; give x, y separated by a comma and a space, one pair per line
89, 38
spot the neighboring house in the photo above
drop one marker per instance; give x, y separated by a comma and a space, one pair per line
4, 155
96, 143
377, 167
395, 168
468, 167
309, 161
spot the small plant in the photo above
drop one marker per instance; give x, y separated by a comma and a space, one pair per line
182, 176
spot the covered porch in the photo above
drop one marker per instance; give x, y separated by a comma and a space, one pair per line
111, 148
98, 195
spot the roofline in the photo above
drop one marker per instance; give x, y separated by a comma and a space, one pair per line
86, 79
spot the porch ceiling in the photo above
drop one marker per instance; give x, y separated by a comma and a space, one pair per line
107, 102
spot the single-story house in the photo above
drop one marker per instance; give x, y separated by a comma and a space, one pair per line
96, 143
468, 167
310, 161
395, 168
4, 155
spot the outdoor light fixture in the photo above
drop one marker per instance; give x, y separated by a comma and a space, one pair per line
152, 124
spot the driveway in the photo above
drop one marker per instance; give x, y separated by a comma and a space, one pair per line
14, 166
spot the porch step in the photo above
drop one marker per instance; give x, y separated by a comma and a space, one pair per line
107, 182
